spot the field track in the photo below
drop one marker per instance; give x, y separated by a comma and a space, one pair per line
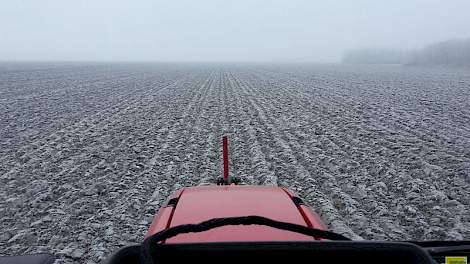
88, 153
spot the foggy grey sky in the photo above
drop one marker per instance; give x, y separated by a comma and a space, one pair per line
217, 30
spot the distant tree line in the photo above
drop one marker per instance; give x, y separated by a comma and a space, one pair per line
451, 52
374, 56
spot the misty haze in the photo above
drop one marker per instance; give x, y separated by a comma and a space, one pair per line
359, 108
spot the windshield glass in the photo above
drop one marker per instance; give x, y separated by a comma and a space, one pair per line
360, 108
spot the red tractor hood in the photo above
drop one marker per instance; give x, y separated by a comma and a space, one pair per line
197, 204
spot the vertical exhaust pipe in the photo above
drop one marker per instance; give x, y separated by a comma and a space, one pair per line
225, 156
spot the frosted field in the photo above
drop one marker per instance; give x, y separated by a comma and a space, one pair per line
88, 153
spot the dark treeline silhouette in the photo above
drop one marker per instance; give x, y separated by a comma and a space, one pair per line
451, 52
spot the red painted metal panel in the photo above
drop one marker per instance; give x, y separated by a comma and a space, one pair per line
160, 221
163, 218
198, 204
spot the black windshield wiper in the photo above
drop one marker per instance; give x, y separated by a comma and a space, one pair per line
147, 246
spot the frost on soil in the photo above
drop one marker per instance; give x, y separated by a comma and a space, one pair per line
88, 153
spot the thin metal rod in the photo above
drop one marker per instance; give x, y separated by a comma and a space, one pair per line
225, 154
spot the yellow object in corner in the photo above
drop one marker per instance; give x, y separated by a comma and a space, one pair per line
456, 260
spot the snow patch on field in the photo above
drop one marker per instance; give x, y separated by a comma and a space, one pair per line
88, 153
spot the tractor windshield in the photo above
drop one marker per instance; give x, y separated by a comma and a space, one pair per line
122, 119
